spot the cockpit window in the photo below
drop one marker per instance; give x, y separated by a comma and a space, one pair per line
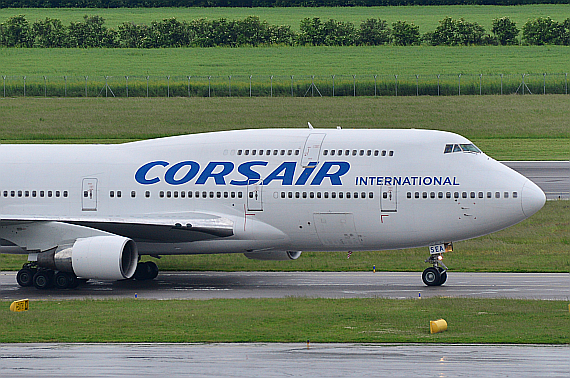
450, 148
470, 148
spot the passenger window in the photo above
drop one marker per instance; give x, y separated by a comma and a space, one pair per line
489, 195
290, 194
218, 194
161, 194
147, 194
64, 193
440, 195
333, 195
515, 195
253, 152
371, 195
27, 193
239, 152
376, 152
304, 194
384, 153
297, 194
497, 195
240, 195
325, 152
318, 194
296, 152
332, 152
168, 194
472, 194
34, 194
417, 194
282, 194
480, 194
50, 193
246, 152
20, 193
274, 152
133, 194
506, 195
447, 194
464, 195
326, 194
282, 152
369, 153
211, 194
347, 152
424, 194
432, 195
353, 152
361, 152
391, 153
175, 194
111, 194
182, 194
42, 193
226, 195
340, 195
204, 195
312, 195
289, 152
456, 195
6, 193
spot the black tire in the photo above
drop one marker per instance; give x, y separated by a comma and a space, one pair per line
143, 271
153, 270
43, 280
62, 280
25, 277
443, 276
431, 277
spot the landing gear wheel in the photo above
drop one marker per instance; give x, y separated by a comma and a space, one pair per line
153, 269
146, 271
25, 277
63, 280
43, 279
431, 277
443, 276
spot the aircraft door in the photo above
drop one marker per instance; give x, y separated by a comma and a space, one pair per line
89, 194
312, 149
254, 195
389, 198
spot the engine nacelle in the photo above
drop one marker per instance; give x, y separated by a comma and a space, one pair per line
273, 255
98, 257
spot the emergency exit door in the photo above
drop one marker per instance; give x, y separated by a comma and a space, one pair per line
89, 194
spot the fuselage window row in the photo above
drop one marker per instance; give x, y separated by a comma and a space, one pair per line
456, 195
357, 153
265, 152
318, 195
35, 193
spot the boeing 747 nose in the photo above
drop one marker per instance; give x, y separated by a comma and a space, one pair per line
532, 198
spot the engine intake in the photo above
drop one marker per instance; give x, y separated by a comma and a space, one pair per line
98, 257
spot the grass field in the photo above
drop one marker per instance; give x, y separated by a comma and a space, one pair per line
293, 320
427, 17
286, 61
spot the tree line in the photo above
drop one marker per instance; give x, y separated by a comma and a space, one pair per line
253, 3
17, 31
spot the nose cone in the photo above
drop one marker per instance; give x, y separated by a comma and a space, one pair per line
533, 198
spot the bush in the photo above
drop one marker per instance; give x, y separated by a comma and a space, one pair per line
505, 31
404, 34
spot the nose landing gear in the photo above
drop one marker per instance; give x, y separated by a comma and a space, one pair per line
436, 275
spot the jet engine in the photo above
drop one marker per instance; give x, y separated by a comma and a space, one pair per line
273, 255
98, 257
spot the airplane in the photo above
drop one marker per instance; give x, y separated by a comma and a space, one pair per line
90, 211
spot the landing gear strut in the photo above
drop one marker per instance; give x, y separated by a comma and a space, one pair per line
436, 275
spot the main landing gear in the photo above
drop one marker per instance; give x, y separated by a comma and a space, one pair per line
436, 275
42, 278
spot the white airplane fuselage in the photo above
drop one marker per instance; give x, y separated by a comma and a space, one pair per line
260, 191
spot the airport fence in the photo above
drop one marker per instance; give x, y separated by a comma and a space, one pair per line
283, 86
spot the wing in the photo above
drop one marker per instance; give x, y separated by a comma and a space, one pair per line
171, 228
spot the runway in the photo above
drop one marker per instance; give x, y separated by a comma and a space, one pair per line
553, 177
399, 285
283, 360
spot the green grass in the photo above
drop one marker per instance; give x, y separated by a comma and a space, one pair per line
285, 61
289, 320
544, 237
426, 17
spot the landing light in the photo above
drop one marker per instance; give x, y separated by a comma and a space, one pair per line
440, 257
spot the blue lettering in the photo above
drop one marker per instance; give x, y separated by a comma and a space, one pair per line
218, 177
140, 175
414, 180
252, 176
437, 180
343, 168
406, 181
447, 181
427, 181
363, 181
288, 169
306, 173
455, 183
387, 180
397, 180
379, 180
172, 171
